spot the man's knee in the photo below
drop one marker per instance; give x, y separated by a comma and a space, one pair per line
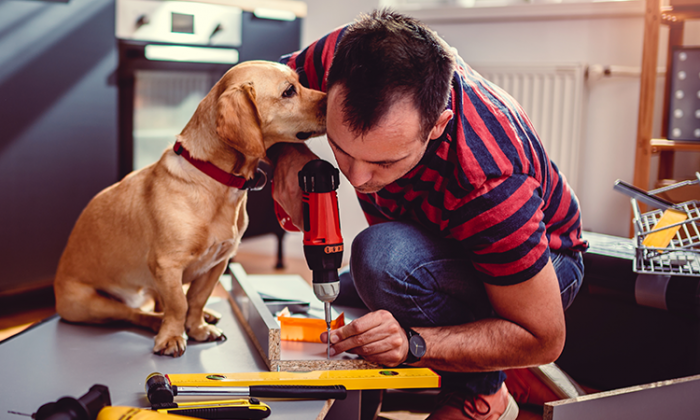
376, 262
380, 251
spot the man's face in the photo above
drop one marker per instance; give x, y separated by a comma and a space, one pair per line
384, 154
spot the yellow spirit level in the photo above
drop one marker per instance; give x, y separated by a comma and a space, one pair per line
359, 379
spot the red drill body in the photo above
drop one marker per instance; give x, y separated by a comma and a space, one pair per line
323, 242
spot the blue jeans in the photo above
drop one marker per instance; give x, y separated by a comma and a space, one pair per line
426, 281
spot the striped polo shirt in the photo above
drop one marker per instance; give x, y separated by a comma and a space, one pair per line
487, 182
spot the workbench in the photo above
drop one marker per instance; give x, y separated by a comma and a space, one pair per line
54, 359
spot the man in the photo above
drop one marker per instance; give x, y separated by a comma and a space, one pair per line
474, 246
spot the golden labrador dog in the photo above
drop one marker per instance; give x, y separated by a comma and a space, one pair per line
171, 223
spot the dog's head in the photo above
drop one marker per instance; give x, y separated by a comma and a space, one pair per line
261, 103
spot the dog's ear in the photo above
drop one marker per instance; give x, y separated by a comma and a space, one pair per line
238, 121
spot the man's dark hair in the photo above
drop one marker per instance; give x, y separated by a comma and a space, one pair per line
384, 57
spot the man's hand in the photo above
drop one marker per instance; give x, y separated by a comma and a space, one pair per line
288, 159
377, 337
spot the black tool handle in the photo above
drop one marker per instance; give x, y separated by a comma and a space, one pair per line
643, 196
335, 392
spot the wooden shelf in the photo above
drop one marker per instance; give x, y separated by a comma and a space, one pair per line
662, 145
672, 14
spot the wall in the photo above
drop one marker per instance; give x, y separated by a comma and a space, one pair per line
610, 126
58, 111
611, 113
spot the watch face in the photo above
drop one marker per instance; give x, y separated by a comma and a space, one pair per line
417, 346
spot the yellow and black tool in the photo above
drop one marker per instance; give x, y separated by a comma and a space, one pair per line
96, 404
250, 408
161, 392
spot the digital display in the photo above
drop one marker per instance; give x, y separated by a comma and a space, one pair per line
182, 23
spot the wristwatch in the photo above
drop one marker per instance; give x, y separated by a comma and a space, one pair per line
416, 346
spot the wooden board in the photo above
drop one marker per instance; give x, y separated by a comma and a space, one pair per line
264, 330
672, 399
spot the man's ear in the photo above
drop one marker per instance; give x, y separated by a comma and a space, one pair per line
441, 123
238, 121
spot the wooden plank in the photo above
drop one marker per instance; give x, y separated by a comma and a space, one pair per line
660, 145
325, 410
264, 330
672, 399
642, 158
254, 317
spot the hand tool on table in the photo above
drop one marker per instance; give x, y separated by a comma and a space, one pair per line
161, 392
94, 405
323, 242
68, 408
249, 409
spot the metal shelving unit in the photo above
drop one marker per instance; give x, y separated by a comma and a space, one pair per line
681, 256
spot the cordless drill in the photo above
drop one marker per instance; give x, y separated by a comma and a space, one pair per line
323, 242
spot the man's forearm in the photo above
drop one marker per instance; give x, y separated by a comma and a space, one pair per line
484, 346
287, 160
530, 330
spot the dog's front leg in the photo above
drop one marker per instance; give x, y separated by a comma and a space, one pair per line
170, 340
196, 326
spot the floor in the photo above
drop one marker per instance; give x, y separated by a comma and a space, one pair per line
15, 316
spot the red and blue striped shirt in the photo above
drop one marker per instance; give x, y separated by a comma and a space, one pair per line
486, 182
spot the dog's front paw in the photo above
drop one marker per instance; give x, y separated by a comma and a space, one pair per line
170, 346
206, 332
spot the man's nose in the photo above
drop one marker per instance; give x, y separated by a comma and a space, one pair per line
358, 173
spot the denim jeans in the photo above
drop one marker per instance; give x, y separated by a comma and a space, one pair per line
425, 281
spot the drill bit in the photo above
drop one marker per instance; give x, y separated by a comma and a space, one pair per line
327, 309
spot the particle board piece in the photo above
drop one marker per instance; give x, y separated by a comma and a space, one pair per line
264, 330
254, 317
671, 399
326, 408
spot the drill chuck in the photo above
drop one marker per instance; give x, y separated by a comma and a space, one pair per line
326, 291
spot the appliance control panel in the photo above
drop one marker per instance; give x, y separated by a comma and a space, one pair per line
179, 22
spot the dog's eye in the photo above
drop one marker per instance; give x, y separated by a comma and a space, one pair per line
289, 92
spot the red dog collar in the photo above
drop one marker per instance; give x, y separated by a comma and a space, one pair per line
255, 184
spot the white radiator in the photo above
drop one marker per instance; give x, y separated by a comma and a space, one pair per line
553, 97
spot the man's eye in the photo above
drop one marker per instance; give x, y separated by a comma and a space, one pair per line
289, 92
